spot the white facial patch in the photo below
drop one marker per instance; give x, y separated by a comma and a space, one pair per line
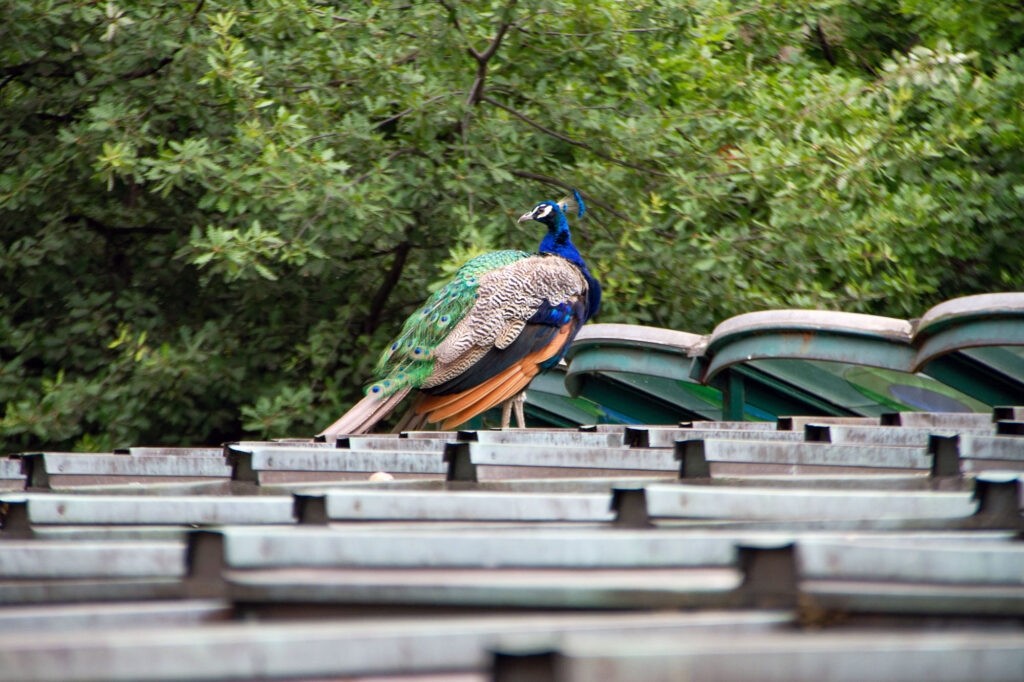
544, 211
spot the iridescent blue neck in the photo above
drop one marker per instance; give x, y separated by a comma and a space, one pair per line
558, 241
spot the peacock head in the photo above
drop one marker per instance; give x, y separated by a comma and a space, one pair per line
552, 213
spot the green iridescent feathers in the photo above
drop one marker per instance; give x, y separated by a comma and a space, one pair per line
409, 360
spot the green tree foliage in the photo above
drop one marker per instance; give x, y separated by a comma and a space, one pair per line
212, 213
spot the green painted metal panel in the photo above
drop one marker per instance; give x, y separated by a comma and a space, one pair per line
860, 350
548, 401
636, 399
870, 391
624, 358
985, 381
975, 333
767, 397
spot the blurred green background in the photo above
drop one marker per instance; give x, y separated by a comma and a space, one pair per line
214, 214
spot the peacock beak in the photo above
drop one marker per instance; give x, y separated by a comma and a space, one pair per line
526, 216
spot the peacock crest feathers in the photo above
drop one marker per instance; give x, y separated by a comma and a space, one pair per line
572, 205
409, 360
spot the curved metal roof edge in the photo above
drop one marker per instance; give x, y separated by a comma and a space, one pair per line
967, 307
817, 320
654, 337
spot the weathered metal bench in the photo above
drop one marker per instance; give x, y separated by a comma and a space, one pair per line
12, 476
136, 510
718, 457
440, 647
908, 436
92, 616
602, 439
491, 461
373, 505
666, 437
269, 465
39, 571
877, 654
66, 470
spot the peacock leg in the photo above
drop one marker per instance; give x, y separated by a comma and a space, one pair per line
517, 403
506, 413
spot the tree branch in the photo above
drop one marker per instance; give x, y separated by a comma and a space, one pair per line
595, 33
387, 120
587, 198
386, 287
105, 229
482, 58
569, 140
149, 71
819, 34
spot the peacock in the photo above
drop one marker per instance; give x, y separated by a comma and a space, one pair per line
480, 339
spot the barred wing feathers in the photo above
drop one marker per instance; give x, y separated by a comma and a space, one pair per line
410, 360
525, 315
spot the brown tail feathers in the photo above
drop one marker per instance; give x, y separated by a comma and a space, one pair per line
364, 414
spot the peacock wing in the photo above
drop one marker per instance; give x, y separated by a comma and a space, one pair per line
525, 316
409, 360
